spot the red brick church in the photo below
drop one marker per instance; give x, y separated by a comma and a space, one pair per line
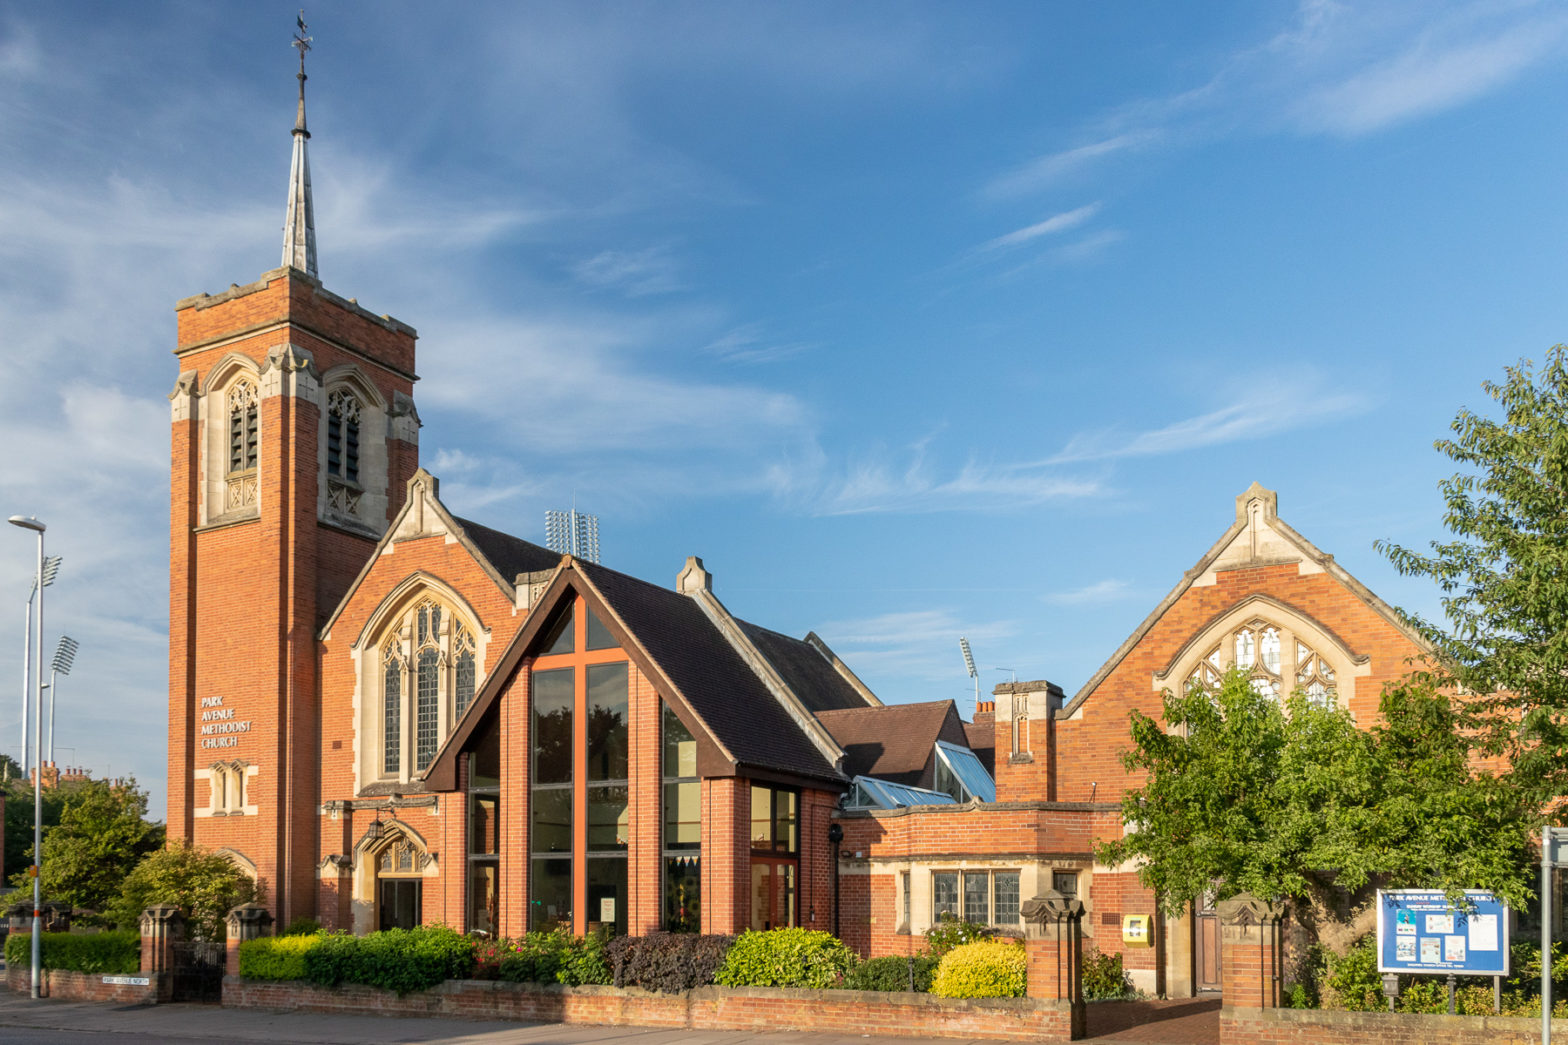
391, 715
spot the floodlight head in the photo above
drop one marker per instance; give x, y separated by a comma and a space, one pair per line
51, 567
27, 522
65, 655
969, 658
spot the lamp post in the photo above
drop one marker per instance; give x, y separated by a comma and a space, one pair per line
51, 567
38, 777
64, 657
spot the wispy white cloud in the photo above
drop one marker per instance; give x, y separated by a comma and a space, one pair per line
1046, 171
1252, 417
919, 643
1108, 590
1054, 225
750, 344
636, 273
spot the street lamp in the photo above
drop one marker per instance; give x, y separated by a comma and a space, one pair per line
38, 777
64, 657
51, 567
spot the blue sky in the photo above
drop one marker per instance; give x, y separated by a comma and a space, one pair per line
914, 321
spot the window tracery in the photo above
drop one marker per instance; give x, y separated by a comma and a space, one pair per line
1258, 649
343, 417
429, 665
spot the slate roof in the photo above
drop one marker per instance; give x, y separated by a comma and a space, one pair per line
509, 555
893, 742
718, 684
982, 741
805, 670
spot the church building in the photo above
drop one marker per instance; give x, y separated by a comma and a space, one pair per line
391, 715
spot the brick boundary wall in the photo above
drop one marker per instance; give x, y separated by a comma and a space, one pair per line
84, 986
1316, 1027
706, 1008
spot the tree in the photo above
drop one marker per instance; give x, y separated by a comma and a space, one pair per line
1504, 575
19, 817
204, 885
102, 831
1296, 802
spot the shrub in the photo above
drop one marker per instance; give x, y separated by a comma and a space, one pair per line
667, 962
950, 931
276, 957
983, 969
400, 960
1105, 978
1352, 982
892, 974
205, 885
785, 958
302, 926
115, 953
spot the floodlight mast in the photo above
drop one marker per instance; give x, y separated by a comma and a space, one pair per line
51, 567
64, 657
969, 664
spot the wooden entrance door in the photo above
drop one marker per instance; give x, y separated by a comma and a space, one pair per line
1206, 948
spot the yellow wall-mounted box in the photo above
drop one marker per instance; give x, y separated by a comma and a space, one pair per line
1137, 930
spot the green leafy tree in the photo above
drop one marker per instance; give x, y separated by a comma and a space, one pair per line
1294, 801
19, 817
1504, 573
205, 885
102, 830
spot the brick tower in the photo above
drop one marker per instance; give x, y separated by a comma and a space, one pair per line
294, 436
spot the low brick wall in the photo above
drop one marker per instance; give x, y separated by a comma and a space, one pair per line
1313, 1027
87, 986
707, 1008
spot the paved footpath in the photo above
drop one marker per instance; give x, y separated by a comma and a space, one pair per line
85, 1023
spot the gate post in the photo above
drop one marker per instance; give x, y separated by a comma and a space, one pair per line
162, 926
1054, 945
1252, 961
245, 922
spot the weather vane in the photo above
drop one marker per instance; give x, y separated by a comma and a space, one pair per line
301, 41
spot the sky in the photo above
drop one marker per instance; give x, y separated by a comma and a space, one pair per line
914, 321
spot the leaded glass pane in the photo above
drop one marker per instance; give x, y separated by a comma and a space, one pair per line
427, 708
392, 717
1246, 653
944, 894
1006, 909
1271, 650
977, 890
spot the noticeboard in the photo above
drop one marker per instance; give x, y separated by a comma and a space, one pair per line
1419, 930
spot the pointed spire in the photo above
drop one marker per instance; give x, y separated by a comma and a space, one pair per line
299, 227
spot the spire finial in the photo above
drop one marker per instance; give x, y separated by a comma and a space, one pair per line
302, 42
299, 227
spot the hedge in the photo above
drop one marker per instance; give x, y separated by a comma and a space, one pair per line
276, 957
116, 953
555, 957
988, 969
667, 962
892, 973
785, 958
400, 960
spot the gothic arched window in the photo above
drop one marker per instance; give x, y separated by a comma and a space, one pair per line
343, 434
429, 662
1258, 649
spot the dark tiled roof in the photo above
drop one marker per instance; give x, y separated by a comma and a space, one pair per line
710, 674
509, 555
805, 671
893, 742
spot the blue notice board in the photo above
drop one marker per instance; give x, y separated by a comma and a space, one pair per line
1418, 930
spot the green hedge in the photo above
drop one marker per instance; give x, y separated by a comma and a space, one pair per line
276, 957
785, 958
555, 957
400, 960
892, 974
115, 953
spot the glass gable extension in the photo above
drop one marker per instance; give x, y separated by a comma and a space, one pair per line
960, 774
867, 792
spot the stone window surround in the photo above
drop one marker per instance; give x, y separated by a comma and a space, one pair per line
1292, 625
398, 610
237, 772
213, 413
1032, 878
368, 495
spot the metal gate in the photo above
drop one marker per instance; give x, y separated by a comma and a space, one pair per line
198, 971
